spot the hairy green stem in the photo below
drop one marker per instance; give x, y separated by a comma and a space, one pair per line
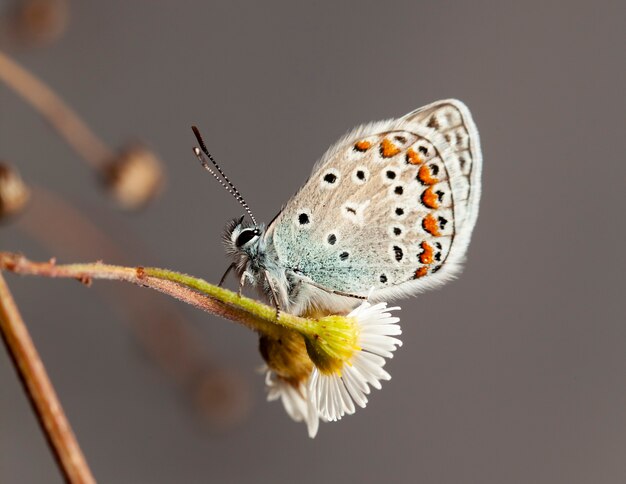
193, 290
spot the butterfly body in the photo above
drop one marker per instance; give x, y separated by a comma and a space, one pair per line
387, 212
258, 264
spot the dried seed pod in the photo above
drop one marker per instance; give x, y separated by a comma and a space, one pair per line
221, 397
134, 176
38, 21
14, 194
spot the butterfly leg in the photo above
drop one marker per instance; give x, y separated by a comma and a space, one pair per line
230, 268
274, 295
242, 282
333, 291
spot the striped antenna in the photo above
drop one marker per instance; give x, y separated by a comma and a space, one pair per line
224, 181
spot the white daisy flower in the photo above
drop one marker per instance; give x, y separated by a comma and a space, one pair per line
330, 394
296, 401
334, 394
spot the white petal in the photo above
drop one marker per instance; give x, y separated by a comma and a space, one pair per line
354, 387
297, 402
330, 397
312, 420
346, 400
336, 395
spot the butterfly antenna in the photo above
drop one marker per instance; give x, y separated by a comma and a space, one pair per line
228, 185
240, 199
196, 131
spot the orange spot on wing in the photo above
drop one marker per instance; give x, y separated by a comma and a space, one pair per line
429, 198
413, 157
430, 225
362, 145
426, 257
388, 149
425, 175
421, 272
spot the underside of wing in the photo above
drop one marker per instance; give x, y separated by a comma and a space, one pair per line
390, 207
452, 119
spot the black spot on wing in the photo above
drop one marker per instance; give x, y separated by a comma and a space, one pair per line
330, 178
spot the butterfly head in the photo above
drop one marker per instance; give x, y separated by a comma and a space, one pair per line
242, 238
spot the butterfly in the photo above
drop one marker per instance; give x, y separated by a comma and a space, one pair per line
387, 212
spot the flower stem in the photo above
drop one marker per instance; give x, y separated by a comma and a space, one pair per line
330, 340
192, 290
39, 389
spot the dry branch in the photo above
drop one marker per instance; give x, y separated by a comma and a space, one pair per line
42, 396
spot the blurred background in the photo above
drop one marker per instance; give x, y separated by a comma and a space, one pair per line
513, 373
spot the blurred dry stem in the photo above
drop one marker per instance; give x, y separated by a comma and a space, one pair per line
40, 391
134, 175
67, 123
14, 194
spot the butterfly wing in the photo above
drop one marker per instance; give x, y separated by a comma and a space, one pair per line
452, 119
390, 207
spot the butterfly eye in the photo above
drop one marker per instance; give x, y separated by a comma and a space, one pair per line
246, 236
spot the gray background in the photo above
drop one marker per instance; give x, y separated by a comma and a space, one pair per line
515, 373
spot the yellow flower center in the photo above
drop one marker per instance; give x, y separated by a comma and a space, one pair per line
333, 343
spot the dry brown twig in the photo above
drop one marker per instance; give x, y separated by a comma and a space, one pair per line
40, 391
